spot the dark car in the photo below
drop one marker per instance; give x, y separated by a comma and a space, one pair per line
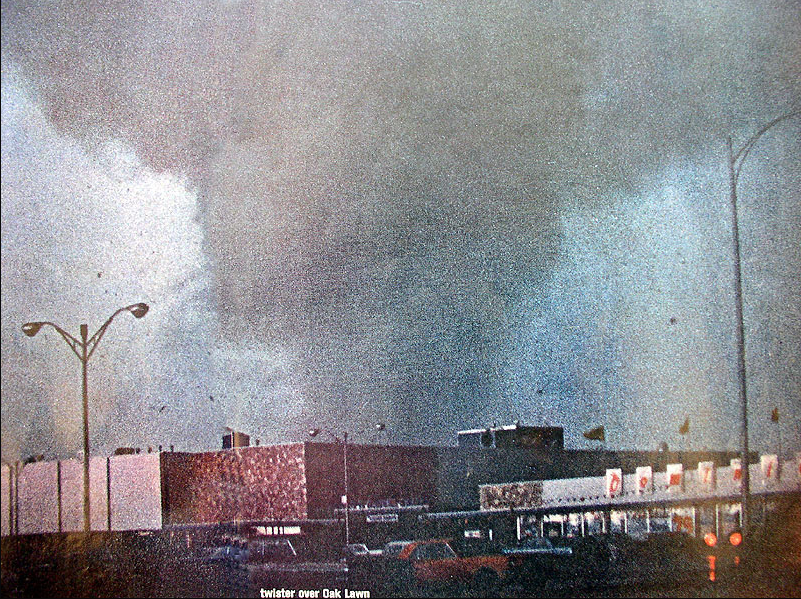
538, 546
261, 551
230, 554
671, 558
355, 550
382, 571
602, 558
536, 561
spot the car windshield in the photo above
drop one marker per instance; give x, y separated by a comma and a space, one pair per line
432, 551
271, 549
538, 543
393, 548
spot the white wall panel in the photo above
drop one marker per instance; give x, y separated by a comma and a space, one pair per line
136, 492
38, 498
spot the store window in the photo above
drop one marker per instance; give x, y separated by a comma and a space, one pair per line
728, 519
553, 525
660, 519
683, 519
573, 525
638, 523
593, 523
617, 522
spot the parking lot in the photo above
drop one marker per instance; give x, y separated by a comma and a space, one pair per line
72, 566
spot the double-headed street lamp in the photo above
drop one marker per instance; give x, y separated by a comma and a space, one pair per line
735, 166
84, 350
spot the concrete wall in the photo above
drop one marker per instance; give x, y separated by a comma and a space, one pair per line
72, 495
49, 497
6, 499
135, 492
38, 498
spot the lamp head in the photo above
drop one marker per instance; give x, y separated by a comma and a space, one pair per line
138, 310
31, 328
380, 426
314, 432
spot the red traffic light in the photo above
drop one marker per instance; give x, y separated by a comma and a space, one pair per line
736, 538
710, 539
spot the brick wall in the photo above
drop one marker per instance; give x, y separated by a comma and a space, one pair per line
252, 483
377, 474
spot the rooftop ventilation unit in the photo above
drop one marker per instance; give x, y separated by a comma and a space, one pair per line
235, 439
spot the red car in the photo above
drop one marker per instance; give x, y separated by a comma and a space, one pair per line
436, 563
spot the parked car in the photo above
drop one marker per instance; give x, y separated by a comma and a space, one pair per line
596, 558
381, 570
673, 558
229, 552
436, 564
356, 550
360, 550
268, 550
393, 548
537, 546
536, 560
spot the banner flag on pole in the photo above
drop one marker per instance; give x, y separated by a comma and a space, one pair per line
706, 475
645, 479
685, 428
596, 434
770, 466
675, 477
774, 415
614, 482
736, 470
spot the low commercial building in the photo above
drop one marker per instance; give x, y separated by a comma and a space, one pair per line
391, 491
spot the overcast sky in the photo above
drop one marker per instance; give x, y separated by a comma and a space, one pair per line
437, 215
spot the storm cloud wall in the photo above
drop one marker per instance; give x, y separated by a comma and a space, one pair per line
382, 184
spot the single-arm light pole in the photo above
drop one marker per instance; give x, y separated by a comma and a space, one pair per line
346, 497
84, 350
347, 491
735, 166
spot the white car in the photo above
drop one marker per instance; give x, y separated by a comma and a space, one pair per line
361, 550
537, 546
356, 549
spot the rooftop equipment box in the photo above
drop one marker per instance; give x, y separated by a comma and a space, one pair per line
516, 435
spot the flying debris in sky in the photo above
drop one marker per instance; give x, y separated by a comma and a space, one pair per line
595, 434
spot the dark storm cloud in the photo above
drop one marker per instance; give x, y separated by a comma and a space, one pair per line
381, 182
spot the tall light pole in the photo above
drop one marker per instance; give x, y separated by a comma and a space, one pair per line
84, 350
346, 497
347, 491
736, 159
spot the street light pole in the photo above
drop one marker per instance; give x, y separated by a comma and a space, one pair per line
347, 498
84, 360
735, 166
346, 477
84, 349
